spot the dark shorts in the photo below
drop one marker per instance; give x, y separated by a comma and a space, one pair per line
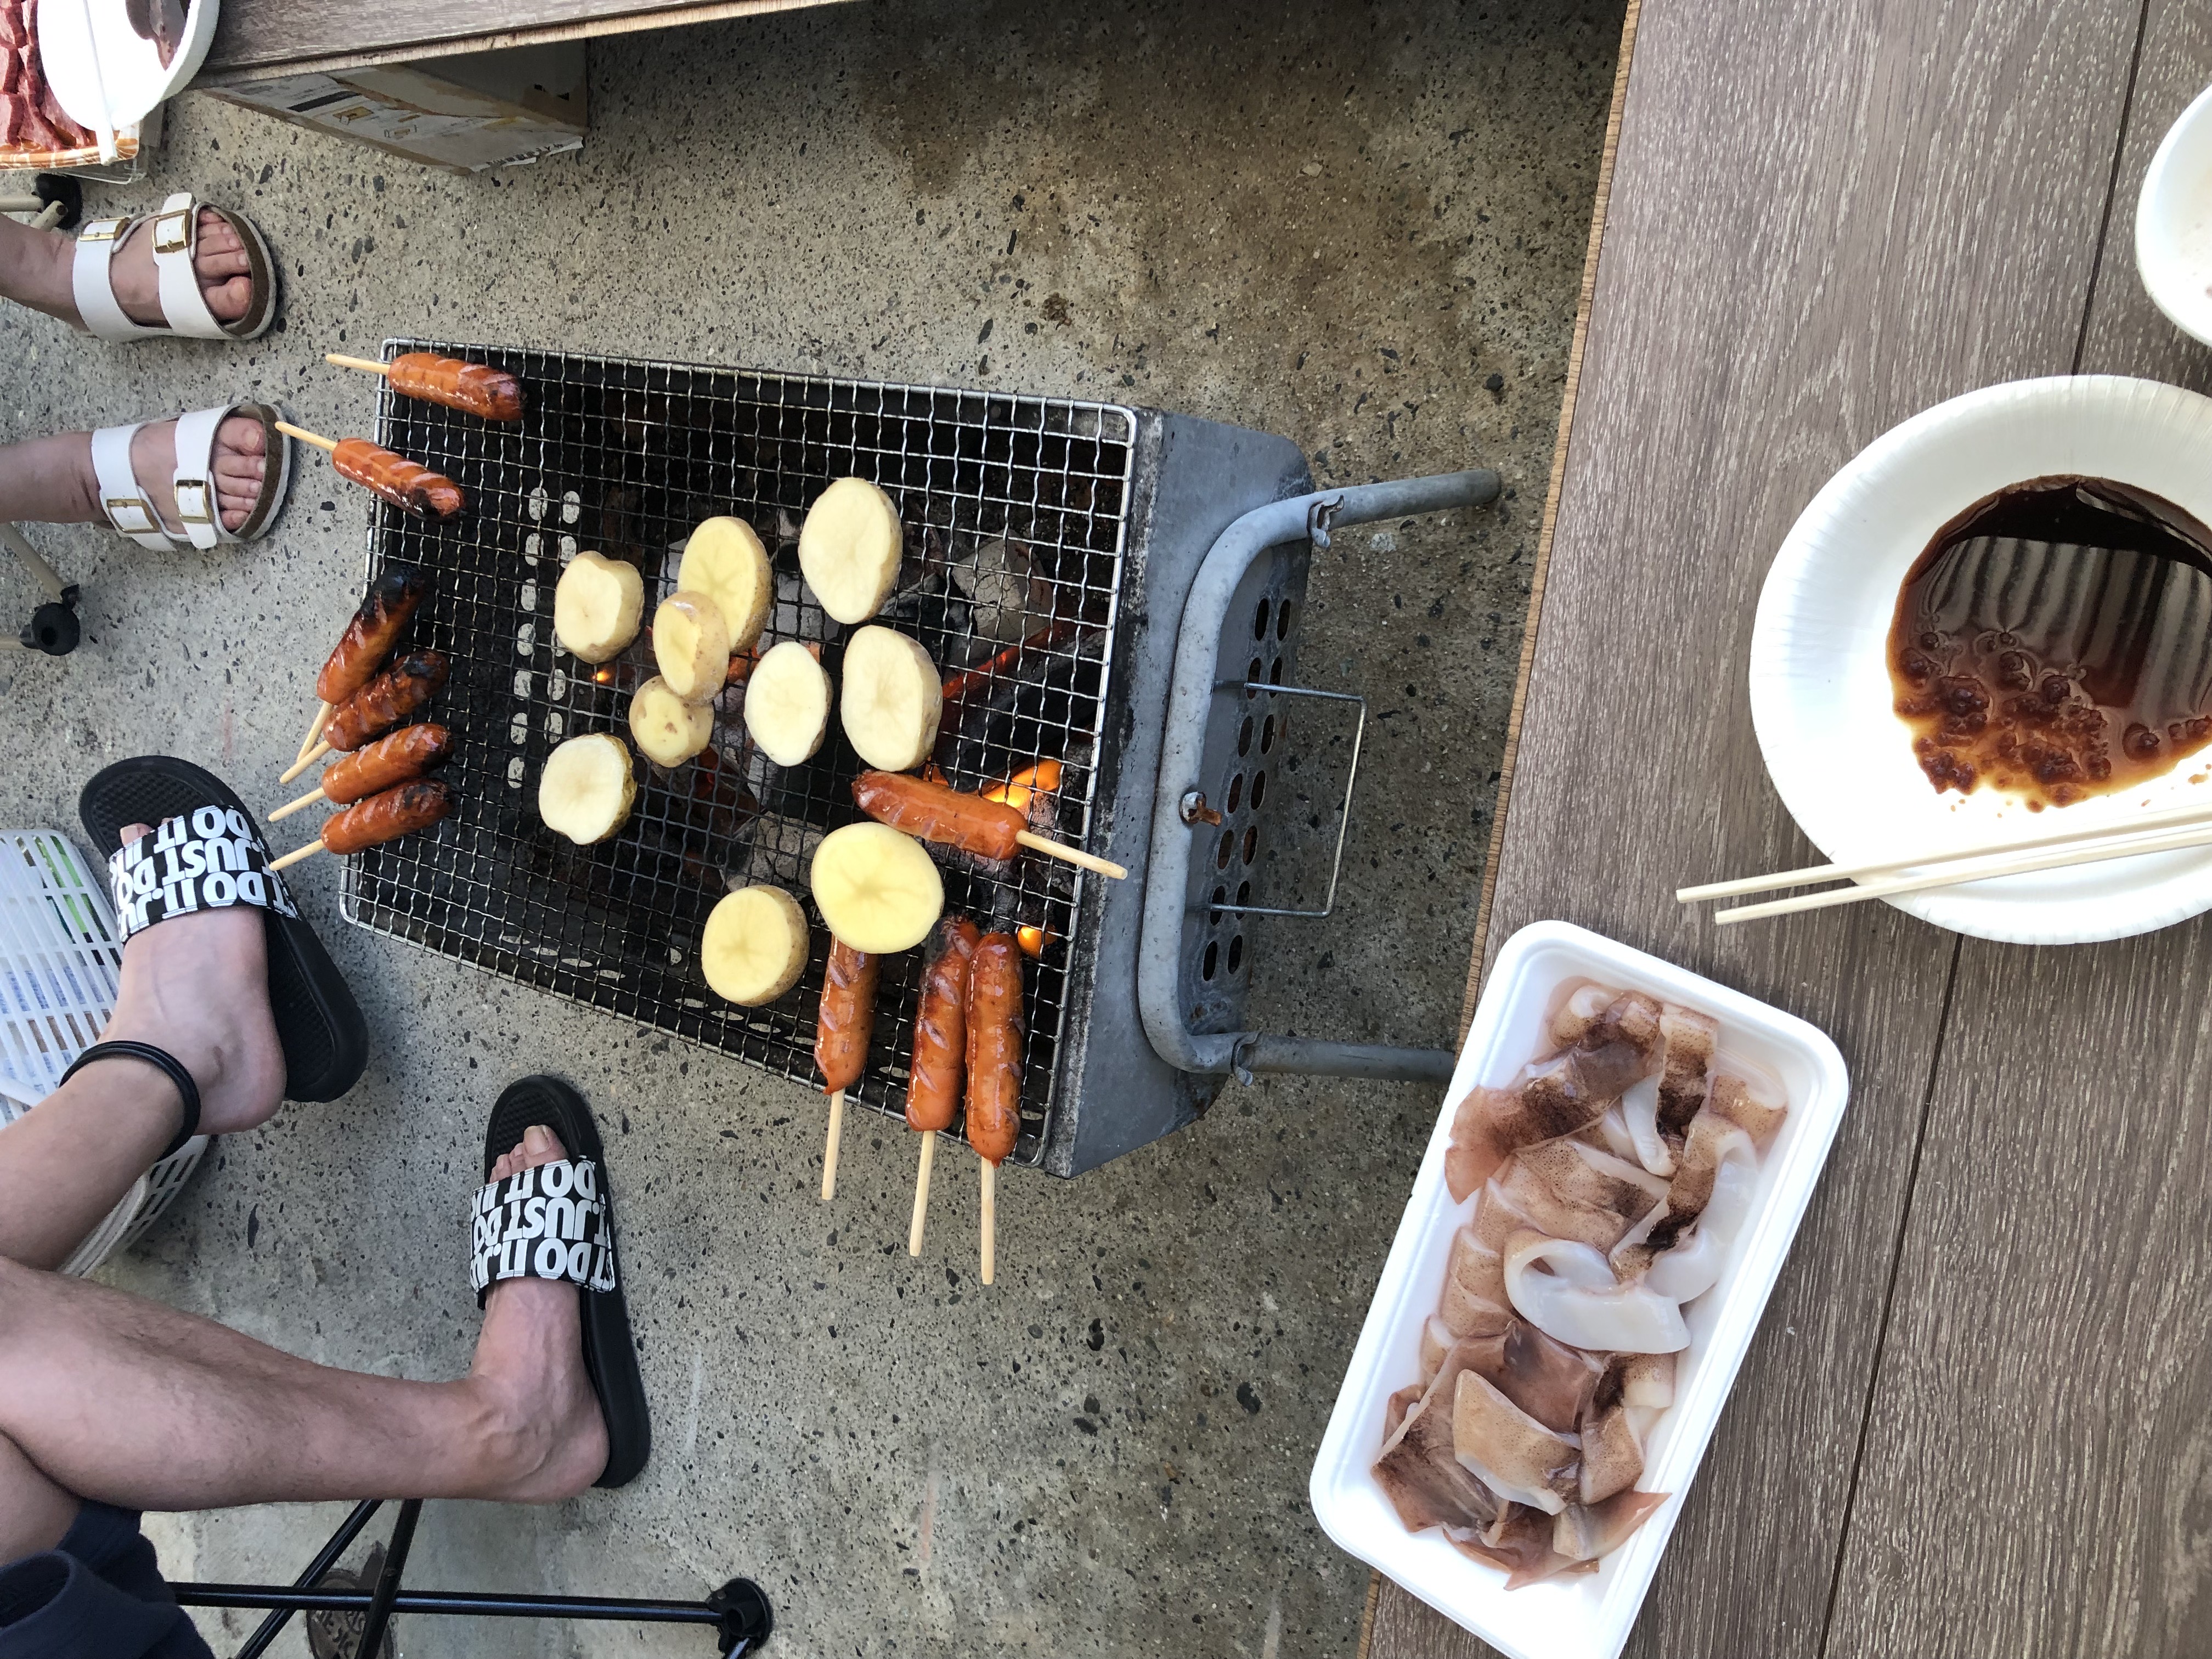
97, 1594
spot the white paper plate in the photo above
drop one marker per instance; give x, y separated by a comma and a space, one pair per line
92, 55
2174, 222
1820, 691
1588, 1617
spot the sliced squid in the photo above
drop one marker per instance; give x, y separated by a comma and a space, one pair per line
1477, 1267
1419, 1466
1647, 1381
1519, 1542
1584, 1533
1639, 1116
1571, 1189
1612, 1453
1567, 1290
1436, 1340
1546, 1378
1621, 1045
1691, 1266
1579, 1012
1686, 1072
1611, 1131
1732, 1099
1509, 1451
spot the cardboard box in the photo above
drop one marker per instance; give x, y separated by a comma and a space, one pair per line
464, 113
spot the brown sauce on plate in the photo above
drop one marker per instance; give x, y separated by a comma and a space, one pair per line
2054, 640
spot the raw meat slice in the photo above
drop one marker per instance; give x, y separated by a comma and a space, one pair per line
1612, 1453
1550, 1380
1515, 1456
1573, 1190
1419, 1467
1685, 1071
1584, 1534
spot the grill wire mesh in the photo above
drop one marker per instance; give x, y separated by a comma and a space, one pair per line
1014, 512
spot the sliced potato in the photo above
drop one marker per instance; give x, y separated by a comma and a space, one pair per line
892, 698
877, 889
849, 547
597, 605
725, 561
691, 643
668, 729
754, 948
787, 703
585, 789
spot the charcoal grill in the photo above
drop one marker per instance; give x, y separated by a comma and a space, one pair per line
1118, 589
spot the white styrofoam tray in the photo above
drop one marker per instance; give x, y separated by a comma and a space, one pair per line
1586, 1617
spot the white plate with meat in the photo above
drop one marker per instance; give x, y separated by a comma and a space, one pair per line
122, 57
1546, 1355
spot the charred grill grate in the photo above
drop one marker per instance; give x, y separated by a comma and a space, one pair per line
1016, 512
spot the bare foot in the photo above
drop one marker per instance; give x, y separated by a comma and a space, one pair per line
552, 1435
199, 987
240, 462
218, 260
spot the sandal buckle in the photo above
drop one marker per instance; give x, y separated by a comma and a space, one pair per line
118, 505
185, 515
173, 233
102, 230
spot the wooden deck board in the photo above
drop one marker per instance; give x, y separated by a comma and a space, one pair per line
1820, 222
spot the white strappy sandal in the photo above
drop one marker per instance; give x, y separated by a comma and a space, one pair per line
176, 235
199, 516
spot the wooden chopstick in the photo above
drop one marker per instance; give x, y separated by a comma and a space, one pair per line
2096, 853
1812, 874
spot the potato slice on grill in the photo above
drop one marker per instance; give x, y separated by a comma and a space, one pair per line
668, 729
725, 561
586, 790
691, 643
754, 948
787, 703
596, 605
849, 547
877, 889
892, 699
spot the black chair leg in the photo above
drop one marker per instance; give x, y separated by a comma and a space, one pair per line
738, 1612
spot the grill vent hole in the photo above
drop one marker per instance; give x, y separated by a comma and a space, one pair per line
1275, 674
1237, 792
1244, 736
1267, 736
1251, 844
1255, 675
1283, 620
1228, 846
1259, 622
1259, 789
1221, 894
1236, 952
1210, 960
1243, 894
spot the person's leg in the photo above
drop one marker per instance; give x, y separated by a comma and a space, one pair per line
196, 986
34, 1513
50, 480
126, 1402
35, 268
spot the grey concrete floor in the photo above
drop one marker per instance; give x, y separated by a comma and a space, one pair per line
1358, 225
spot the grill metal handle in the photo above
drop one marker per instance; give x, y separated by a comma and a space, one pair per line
1182, 750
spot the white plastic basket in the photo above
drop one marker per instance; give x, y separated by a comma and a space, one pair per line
60, 964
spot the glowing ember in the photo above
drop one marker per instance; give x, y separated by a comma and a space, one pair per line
1032, 940
1043, 778
604, 676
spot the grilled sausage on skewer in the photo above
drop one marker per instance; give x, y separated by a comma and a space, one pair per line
387, 816
930, 811
371, 635
472, 388
391, 697
407, 753
847, 1015
940, 1028
396, 478
994, 1046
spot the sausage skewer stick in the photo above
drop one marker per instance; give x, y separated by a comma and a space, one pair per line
988, 829
323, 711
380, 818
394, 759
941, 1054
472, 388
367, 642
841, 1025
384, 704
994, 1070
393, 478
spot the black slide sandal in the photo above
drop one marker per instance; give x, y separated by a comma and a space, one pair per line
507, 1242
326, 1039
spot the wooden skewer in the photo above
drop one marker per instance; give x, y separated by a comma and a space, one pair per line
2096, 853
990, 1219
830, 1152
922, 1192
292, 806
369, 364
1072, 855
323, 712
308, 852
305, 437
306, 761
1813, 874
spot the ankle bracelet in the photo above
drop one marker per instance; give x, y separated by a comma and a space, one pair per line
160, 1059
